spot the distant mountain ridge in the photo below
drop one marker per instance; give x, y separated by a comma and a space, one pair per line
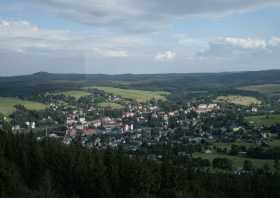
43, 81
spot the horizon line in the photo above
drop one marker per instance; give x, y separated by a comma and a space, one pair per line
118, 74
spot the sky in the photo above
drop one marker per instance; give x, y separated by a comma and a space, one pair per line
138, 36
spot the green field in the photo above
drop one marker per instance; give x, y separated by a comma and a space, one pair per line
264, 120
75, 93
132, 94
239, 100
110, 105
228, 145
275, 143
265, 88
236, 160
7, 105
72, 82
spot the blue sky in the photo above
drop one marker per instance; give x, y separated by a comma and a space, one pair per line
138, 36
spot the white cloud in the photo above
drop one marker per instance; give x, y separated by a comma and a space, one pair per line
245, 43
274, 42
165, 56
23, 37
229, 47
143, 15
111, 52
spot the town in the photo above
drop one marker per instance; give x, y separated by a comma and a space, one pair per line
196, 129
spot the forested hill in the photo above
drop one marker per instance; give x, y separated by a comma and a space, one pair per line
42, 81
29, 168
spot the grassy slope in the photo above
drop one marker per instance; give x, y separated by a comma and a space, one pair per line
237, 161
265, 88
275, 143
7, 105
75, 93
264, 120
138, 95
239, 100
110, 105
228, 145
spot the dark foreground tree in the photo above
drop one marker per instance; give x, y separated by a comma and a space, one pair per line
49, 169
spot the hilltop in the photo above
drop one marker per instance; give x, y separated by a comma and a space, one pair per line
44, 81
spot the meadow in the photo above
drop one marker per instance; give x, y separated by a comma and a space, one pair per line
236, 160
132, 94
239, 100
275, 143
264, 89
110, 105
264, 120
223, 145
7, 105
74, 93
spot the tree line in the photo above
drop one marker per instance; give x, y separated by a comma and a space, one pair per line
47, 168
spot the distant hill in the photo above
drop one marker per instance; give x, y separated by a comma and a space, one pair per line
45, 82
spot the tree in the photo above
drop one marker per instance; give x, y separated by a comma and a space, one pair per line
248, 165
222, 163
29, 168
266, 168
276, 165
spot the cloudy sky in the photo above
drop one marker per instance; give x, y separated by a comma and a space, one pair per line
138, 36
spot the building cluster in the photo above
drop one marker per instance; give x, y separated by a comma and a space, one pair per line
138, 124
